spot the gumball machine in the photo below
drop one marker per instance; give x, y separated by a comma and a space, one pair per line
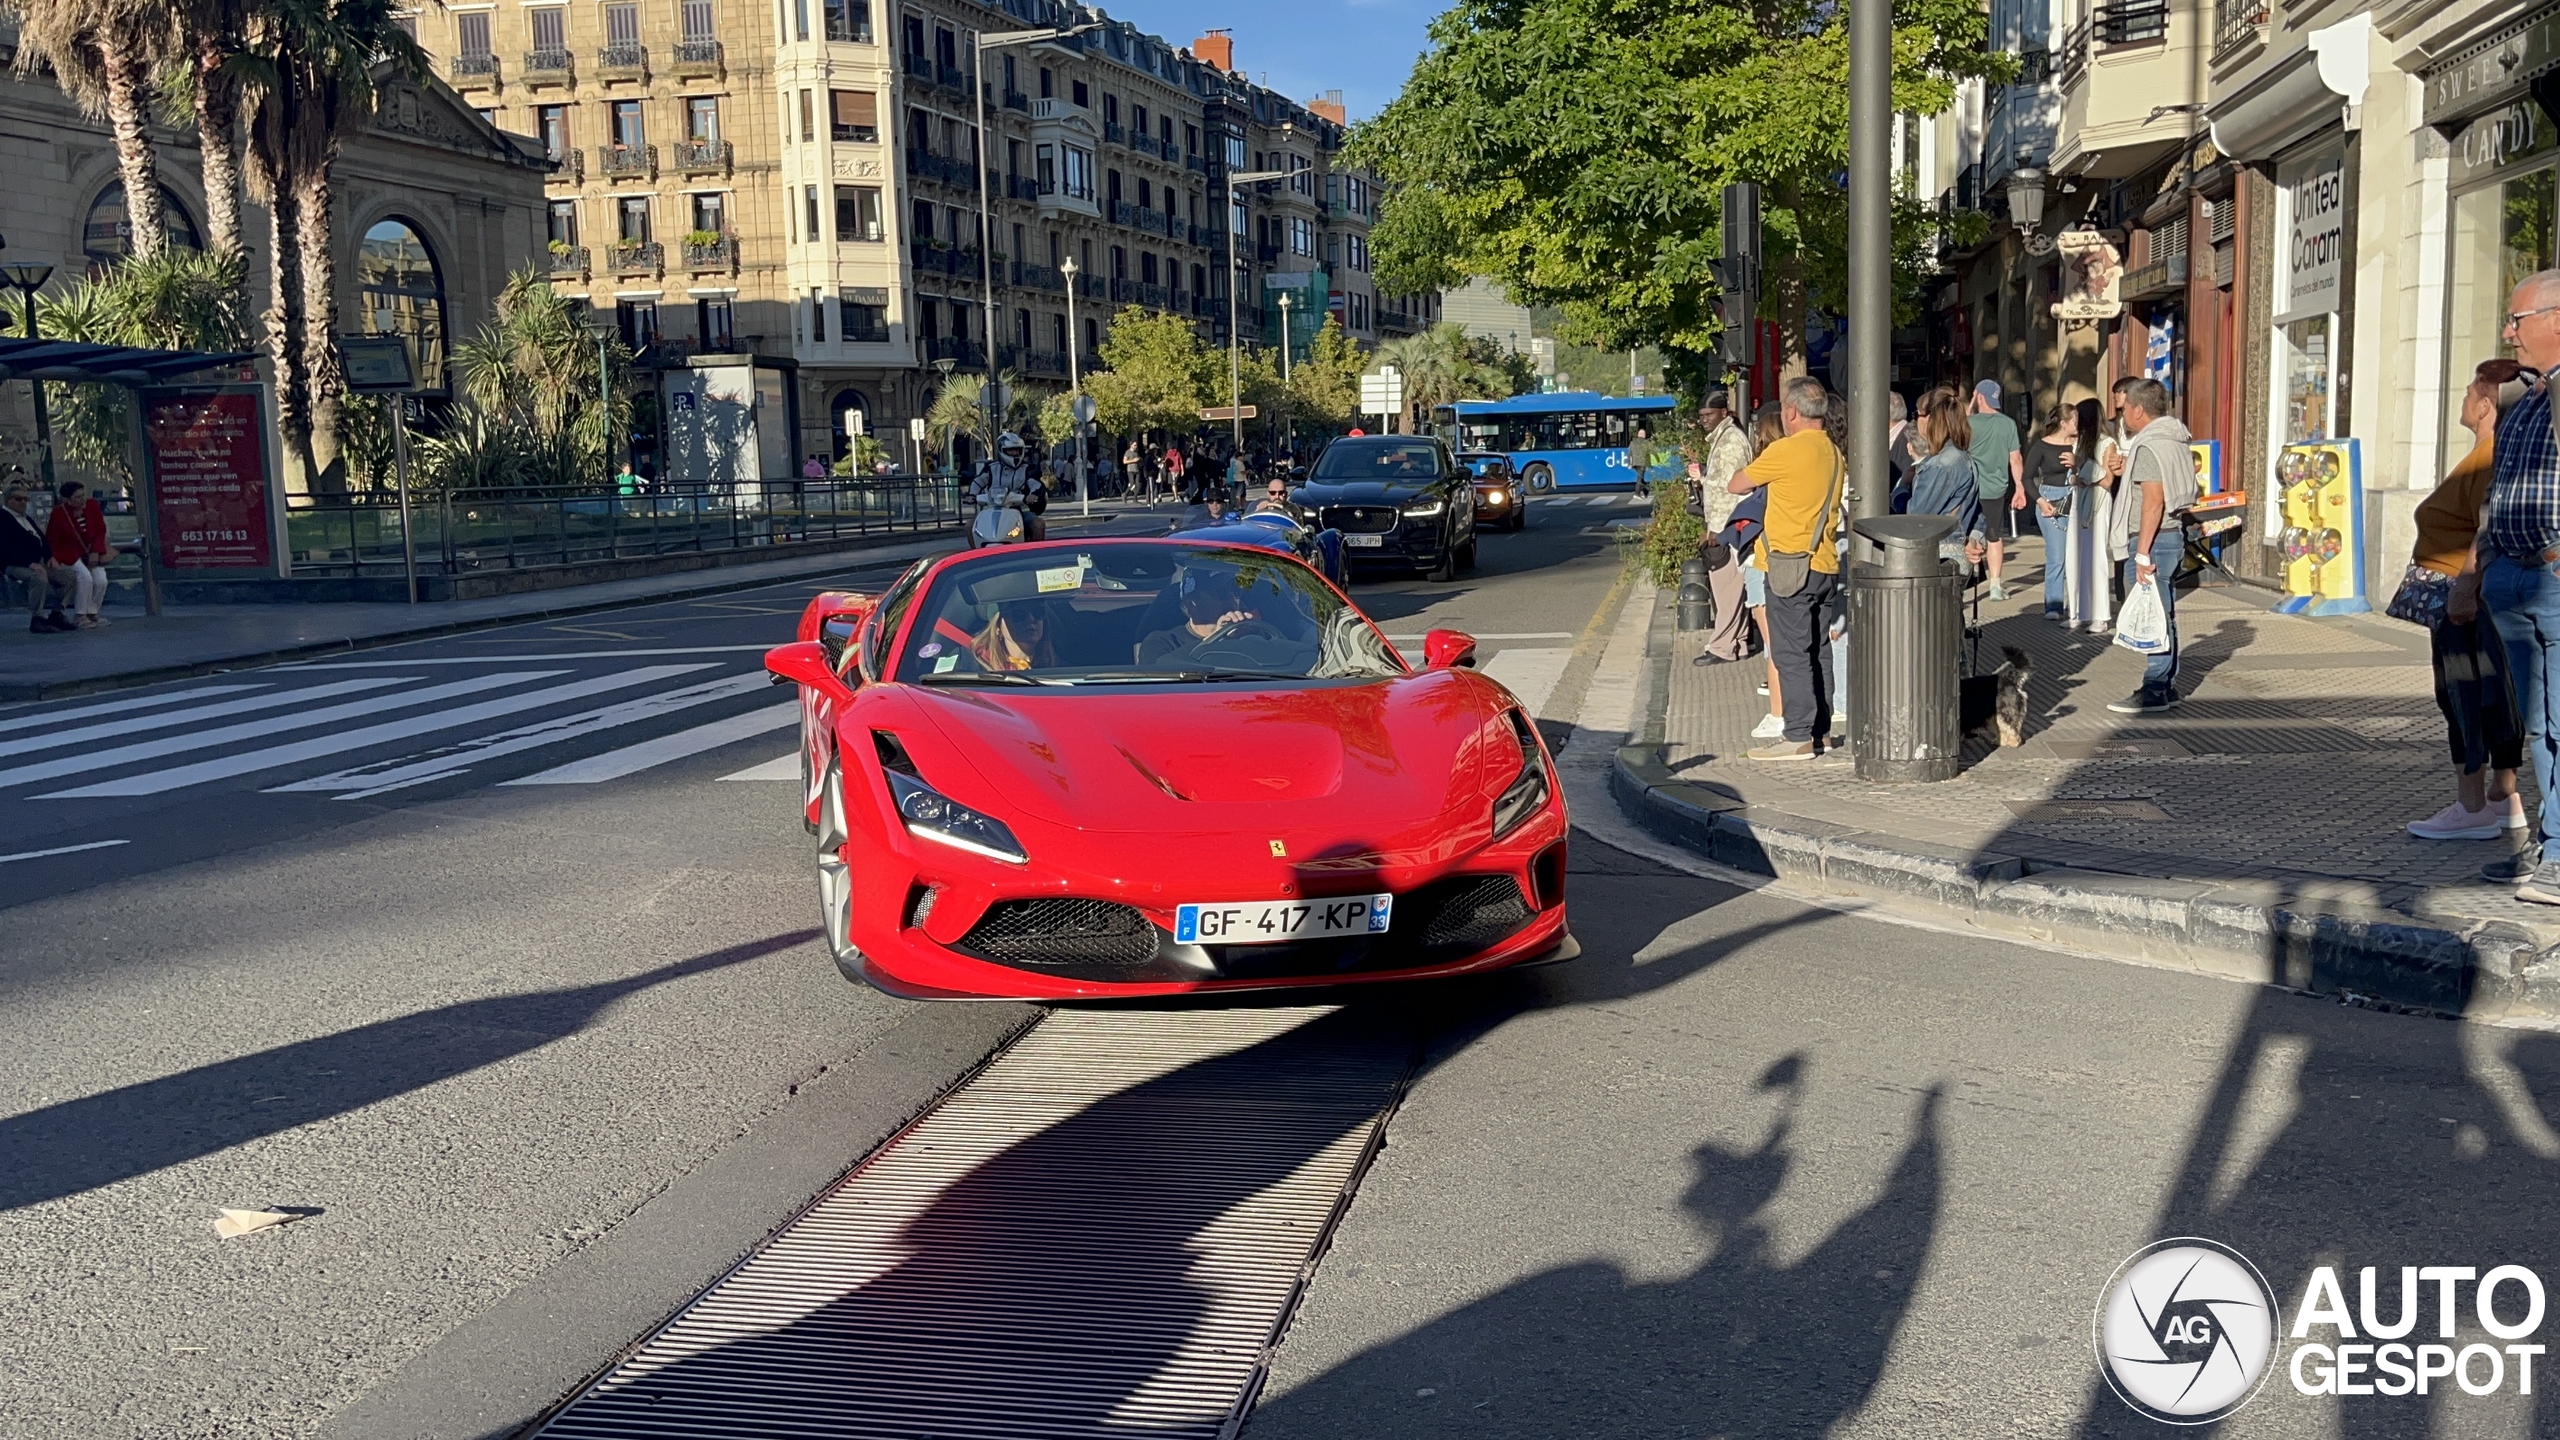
2323, 537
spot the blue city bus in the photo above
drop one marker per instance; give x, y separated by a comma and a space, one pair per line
1568, 440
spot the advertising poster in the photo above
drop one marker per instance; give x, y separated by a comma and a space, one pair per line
209, 480
2091, 273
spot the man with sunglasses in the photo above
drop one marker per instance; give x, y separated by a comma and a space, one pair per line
2520, 571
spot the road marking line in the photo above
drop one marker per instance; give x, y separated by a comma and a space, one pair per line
64, 850
154, 782
1530, 674
86, 734
527, 659
117, 707
417, 769
781, 767
256, 729
631, 759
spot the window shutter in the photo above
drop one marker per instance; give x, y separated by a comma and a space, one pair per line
856, 107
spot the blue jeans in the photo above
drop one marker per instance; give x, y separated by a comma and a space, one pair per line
2523, 600
2160, 673
2057, 539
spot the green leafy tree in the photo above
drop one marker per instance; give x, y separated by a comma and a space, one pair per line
1324, 384
1576, 151
1157, 377
530, 372
960, 408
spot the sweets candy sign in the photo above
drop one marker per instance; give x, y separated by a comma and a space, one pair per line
209, 480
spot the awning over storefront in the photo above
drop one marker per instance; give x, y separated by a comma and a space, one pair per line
77, 362
2286, 104
2498, 71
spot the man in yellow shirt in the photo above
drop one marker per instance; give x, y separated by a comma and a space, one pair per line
1804, 474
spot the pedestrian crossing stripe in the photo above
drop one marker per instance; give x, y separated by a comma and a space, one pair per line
780, 767
52, 739
138, 702
614, 764
275, 757
407, 770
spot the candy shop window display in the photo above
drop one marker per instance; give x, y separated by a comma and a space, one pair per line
2305, 412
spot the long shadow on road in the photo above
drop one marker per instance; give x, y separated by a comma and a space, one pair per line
133, 1130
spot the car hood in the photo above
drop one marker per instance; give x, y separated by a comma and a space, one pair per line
1385, 759
1363, 492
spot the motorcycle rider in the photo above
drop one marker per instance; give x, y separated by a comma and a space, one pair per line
1010, 480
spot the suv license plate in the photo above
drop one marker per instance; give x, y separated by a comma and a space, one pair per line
1267, 922
1364, 542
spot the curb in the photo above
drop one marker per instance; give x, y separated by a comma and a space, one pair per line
20, 692
2325, 938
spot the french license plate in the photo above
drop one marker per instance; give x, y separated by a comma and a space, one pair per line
1265, 922
1364, 542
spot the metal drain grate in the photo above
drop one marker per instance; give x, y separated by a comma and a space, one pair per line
1102, 1233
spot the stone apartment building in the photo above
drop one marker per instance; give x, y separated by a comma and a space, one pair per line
795, 183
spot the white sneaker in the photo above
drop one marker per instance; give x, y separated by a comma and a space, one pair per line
1770, 727
2455, 823
2514, 811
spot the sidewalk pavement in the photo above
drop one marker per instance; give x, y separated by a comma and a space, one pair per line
136, 649
2254, 831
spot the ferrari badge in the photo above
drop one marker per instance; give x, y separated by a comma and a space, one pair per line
1279, 849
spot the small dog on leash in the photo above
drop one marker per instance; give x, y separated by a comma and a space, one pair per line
1999, 698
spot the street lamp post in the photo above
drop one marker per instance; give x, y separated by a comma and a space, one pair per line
29, 278
1235, 266
1870, 256
1286, 338
1075, 384
950, 453
979, 47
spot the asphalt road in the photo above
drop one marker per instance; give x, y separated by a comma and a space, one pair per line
543, 1059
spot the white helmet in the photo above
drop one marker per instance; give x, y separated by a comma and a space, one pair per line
1010, 446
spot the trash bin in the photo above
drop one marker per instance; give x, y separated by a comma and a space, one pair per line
1905, 620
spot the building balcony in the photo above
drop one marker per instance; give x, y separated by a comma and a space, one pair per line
1208, 236
955, 80
1152, 295
2121, 70
1021, 187
937, 258
697, 57
1196, 163
1123, 213
473, 72
703, 157
941, 169
1180, 304
1016, 100
1204, 306
1115, 132
1145, 145
623, 62
964, 353
627, 162
567, 260
918, 67
1039, 277
1033, 362
568, 166
1266, 254
1089, 287
1124, 292
715, 253
548, 67
637, 257
2238, 25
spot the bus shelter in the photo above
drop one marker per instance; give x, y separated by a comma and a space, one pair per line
205, 488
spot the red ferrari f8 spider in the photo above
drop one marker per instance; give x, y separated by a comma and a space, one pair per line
1139, 767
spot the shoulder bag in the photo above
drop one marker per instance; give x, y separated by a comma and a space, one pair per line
1790, 570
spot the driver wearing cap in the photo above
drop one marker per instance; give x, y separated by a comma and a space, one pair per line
1212, 608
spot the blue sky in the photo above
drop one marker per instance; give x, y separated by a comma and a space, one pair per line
1302, 49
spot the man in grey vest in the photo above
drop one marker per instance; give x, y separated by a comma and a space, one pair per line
2160, 481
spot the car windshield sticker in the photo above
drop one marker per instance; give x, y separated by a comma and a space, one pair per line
1064, 577
929, 649
946, 664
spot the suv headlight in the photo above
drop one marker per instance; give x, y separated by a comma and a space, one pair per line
931, 815
1424, 509
1527, 795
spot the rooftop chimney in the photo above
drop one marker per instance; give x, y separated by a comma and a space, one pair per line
1330, 106
1217, 48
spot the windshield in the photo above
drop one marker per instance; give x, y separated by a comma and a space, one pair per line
1396, 460
1117, 614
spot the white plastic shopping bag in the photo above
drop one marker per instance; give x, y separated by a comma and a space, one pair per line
2142, 625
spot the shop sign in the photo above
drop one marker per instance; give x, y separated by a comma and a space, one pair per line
208, 460
2494, 72
2315, 242
2497, 140
2091, 273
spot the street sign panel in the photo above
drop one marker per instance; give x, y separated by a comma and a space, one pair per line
1230, 412
375, 364
1084, 409
1382, 392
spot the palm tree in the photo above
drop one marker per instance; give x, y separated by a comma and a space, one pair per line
204, 79
309, 66
102, 53
532, 368
960, 408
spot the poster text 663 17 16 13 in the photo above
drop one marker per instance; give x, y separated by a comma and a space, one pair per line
210, 480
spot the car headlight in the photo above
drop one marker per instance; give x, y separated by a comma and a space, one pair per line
1526, 795
1424, 509
932, 815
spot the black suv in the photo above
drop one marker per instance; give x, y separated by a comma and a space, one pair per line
1395, 498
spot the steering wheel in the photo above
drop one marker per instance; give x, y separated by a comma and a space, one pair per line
1252, 629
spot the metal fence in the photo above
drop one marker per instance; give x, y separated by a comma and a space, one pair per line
469, 531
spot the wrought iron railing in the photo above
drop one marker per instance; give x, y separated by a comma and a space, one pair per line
624, 59
2239, 22
2130, 22
620, 160
467, 532
720, 254
548, 65
571, 260
695, 157
633, 256
475, 66
697, 57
